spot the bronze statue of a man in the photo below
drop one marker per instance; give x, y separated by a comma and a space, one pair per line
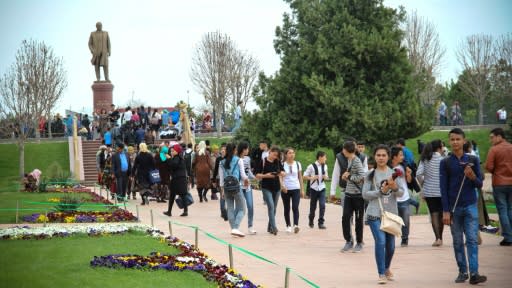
99, 44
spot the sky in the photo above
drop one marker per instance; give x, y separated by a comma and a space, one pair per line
153, 41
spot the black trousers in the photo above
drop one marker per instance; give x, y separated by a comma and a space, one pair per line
353, 204
122, 184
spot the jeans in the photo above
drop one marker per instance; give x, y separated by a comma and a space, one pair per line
294, 196
271, 198
465, 222
247, 193
404, 211
317, 196
503, 199
236, 209
352, 204
384, 246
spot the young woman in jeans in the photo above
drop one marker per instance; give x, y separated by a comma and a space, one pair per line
233, 165
293, 189
271, 173
379, 185
243, 153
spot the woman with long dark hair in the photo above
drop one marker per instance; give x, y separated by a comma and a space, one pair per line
143, 163
271, 173
178, 186
293, 189
428, 173
232, 165
380, 189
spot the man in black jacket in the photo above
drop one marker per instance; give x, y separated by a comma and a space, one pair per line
122, 168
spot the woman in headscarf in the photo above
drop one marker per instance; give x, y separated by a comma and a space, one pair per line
202, 167
161, 165
178, 171
144, 163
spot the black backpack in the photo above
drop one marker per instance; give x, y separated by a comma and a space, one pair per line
231, 182
308, 184
343, 163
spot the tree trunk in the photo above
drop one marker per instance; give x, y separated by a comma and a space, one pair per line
50, 129
481, 112
21, 147
218, 122
36, 130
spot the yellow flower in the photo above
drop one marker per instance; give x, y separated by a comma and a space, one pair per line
69, 219
42, 218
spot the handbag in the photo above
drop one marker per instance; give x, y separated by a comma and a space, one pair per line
389, 222
187, 197
154, 176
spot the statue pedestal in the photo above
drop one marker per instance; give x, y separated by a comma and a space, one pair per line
102, 95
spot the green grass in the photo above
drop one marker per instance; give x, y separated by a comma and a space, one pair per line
64, 262
8, 200
43, 156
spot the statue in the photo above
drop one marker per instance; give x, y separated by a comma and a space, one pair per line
99, 44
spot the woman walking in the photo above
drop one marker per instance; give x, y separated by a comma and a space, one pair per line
381, 190
404, 210
428, 173
293, 189
270, 174
243, 153
232, 165
165, 177
202, 169
178, 186
143, 163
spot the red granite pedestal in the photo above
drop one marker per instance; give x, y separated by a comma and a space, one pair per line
102, 95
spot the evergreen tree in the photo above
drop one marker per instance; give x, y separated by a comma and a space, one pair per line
343, 73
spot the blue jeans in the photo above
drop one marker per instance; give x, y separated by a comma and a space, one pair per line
384, 246
465, 222
316, 196
236, 209
404, 211
503, 199
271, 198
247, 193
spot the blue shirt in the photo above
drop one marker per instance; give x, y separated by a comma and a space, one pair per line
451, 176
108, 138
408, 156
124, 162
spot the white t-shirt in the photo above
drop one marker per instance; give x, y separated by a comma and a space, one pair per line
502, 113
127, 116
404, 197
291, 177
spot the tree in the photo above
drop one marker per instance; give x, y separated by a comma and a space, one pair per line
242, 77
476, 55
29, 89
343, 73
425, 53
501, 74
210, 72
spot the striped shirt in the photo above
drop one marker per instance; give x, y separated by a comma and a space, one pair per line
428, 170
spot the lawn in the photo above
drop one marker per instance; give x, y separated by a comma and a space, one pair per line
8, 200
47, 157
65, 262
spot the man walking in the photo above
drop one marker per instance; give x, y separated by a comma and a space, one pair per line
499, 163
122, 168
459, 177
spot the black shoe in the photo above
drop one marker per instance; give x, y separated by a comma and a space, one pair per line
404, 243
462, 277
505, 243
477, 278
224, 214
321, 226
184, 214
311, 225
168, 213
417, 208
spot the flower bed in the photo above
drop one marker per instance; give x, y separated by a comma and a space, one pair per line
118, 215
189, 258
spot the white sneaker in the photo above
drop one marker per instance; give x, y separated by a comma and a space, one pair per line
296, 229
252, 231
238, 233
289, 229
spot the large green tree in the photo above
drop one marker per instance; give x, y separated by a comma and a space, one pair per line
343, 73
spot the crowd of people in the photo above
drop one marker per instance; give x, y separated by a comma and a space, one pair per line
450, 183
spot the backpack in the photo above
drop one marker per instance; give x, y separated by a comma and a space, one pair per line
231, 182
308, 185
343, 163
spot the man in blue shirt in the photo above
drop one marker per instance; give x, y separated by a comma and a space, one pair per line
459, 177
122, 168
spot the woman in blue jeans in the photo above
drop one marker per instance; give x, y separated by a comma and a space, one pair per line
271, 173
243, 153
233, 165
379, 186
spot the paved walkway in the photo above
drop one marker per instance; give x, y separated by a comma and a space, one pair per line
315, 254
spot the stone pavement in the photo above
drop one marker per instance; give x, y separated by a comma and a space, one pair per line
315, 254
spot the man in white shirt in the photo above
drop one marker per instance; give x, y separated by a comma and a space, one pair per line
317, 174
502, 115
